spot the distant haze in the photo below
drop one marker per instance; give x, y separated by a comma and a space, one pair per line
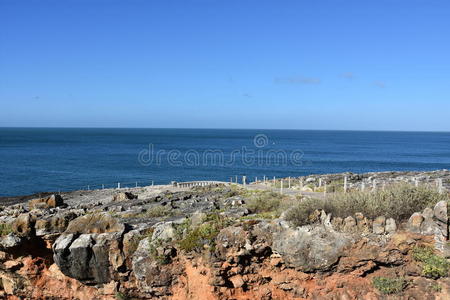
367, 65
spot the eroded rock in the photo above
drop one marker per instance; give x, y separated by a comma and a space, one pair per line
44, 203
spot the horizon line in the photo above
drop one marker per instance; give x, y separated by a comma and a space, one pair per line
222, 128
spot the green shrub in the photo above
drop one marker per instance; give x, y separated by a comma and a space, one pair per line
121, 296
397, 201
433, 266
435, 287
264, 202
5, 229
194, 239
389, 286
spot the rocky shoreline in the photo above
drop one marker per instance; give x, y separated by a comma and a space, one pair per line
213, 242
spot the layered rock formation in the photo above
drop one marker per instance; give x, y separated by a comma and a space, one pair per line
204, 244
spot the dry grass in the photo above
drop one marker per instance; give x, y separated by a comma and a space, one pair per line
397, 201
265, 201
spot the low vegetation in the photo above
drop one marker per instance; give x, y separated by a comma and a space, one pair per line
196, 238
5, 229
433, 265
159, 211
389, 286
156, 255
397, 201
136, 239
264, 202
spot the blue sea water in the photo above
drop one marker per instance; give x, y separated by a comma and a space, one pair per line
51, 159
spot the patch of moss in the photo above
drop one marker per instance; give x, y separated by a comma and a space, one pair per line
389, 286
433, 266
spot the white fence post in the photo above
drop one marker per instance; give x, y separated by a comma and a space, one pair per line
281, 186
289, 182
118, 185
345, 184
244, 179
440, 186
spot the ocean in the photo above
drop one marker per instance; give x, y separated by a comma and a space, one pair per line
61, 159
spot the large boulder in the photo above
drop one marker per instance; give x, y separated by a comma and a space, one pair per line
48, 202
90, 249
310, 248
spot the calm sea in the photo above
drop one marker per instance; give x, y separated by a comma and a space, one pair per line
43, 159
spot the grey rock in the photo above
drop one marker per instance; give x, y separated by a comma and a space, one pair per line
391, 226
379, 225
10, 241
349, 224
415, 222
310, 248
164, 231
440, 212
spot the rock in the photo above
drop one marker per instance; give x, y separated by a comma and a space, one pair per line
414, 222
23, 225
310, 248
124, 197
95, 223
90, 248
391, 226
197, 218
148, 270
428, 213
362, 223
337, 223
237, 281
9, 284
90, 258
44, 203
230, 241
164, 231
349, 224
54, 224
379, 225
440, 212
10, 241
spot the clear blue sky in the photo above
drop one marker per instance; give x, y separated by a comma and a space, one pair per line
379, 65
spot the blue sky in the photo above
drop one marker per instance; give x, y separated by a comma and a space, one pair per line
376, 65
